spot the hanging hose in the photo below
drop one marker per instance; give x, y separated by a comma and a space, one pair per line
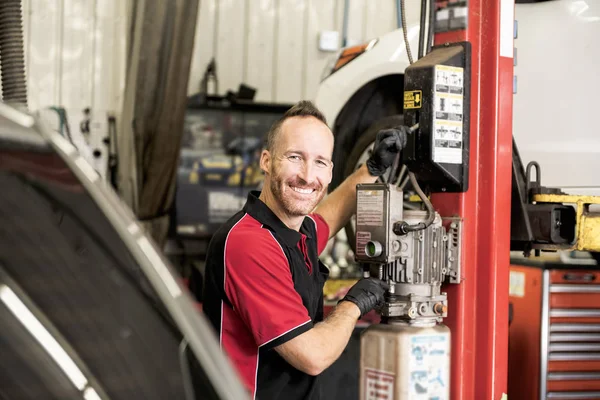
12, 59
402, 228
405, 32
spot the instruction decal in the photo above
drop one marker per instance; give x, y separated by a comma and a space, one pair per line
413, 99
448, 115
369, 210
379, 385
429, 367
362, 238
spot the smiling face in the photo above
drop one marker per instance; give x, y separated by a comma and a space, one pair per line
299, 168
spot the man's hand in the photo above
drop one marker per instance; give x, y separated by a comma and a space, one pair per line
388, 143
367, 294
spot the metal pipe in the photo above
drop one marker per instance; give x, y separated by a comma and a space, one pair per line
431, 29
398, 14
422, 28
12, 58
345, 23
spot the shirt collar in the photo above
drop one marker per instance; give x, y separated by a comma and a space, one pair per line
263, 214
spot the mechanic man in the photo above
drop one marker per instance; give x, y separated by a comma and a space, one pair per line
264, 282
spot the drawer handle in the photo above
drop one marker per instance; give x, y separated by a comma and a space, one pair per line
574, 313
574, 328
574, 376
574, 288
575, 337
579, 277
574, 356
574, 347
573, 395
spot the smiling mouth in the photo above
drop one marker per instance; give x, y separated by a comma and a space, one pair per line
301, 190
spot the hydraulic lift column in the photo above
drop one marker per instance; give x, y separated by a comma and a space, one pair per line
479, 305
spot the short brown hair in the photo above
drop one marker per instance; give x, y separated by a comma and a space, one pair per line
303, 108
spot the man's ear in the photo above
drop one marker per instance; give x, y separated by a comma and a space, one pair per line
265, 161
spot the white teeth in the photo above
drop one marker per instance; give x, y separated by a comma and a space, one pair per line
303, 191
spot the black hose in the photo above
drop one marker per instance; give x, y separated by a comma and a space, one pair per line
431, 30
422, 27
12, 58
405, 32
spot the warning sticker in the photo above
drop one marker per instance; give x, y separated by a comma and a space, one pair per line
517, 284
369, 210
429, 367
362, 238
448, 107
379, 385
449, 79
448, 119
413, 99
447, 137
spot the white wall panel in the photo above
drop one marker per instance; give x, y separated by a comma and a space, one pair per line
231, 39
260, 44
75, 49
110, 46
44, 26
204, 43
380, 17
321, 17
356, 21
272, 45
290, 42
77, 55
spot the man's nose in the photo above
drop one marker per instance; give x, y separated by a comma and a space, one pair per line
308, 172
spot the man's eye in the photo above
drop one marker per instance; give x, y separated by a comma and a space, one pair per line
322, 163
294, 158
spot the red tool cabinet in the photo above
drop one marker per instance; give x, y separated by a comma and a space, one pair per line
554, 337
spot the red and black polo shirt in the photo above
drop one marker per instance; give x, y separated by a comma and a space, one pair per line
263, 287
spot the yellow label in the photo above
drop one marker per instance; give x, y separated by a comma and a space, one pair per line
413, 99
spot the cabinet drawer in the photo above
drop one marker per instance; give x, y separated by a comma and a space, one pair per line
574, 366
575, 300
573, 381
575, 277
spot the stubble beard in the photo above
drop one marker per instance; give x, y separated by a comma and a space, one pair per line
292, 206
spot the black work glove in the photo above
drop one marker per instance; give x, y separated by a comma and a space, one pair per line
388, 143
367, 294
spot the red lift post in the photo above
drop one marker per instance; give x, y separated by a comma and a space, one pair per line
478, 307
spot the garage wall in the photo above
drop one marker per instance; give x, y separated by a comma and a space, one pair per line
75, 49
272, 45
75, 53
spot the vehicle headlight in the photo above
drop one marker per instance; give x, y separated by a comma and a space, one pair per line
344, 56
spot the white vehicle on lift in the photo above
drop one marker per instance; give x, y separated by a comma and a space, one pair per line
555, 105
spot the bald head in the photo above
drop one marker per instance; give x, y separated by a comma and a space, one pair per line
303, 109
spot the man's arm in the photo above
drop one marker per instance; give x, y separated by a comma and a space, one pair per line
337, 208
316, 349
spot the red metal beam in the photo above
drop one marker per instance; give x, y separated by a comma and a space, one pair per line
478, 307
